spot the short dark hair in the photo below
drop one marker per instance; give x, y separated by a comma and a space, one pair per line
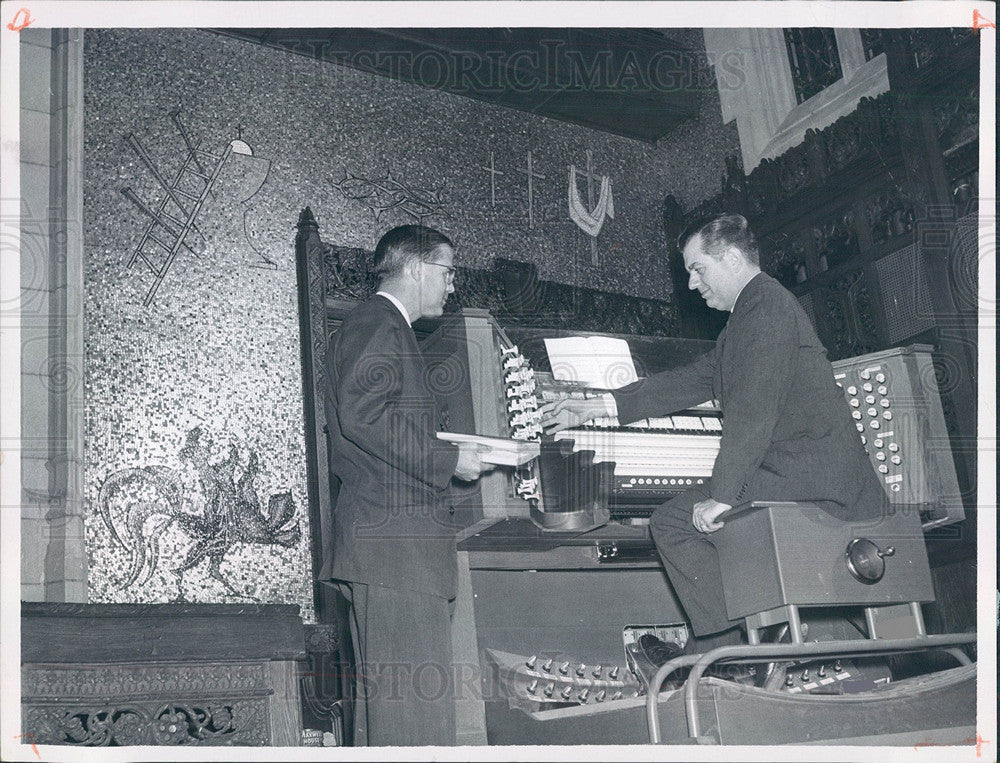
720, 231
403, 245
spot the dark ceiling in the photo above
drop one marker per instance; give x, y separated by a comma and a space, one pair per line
637, 83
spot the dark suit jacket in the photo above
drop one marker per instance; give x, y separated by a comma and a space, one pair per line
787, 432
390, 523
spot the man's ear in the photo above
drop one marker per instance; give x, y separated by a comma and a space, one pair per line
734, 258
413, 269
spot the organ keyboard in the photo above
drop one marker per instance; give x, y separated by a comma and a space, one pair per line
653, 459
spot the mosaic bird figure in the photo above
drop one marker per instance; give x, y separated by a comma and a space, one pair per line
144, 502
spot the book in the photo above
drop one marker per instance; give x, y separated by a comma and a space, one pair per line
497, 450
600, 362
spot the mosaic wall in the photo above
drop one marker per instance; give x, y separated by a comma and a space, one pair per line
195, 451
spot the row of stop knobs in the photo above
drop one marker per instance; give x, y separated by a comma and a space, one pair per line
528, 489
522, 404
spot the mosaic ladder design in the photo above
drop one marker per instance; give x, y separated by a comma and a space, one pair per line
175, 228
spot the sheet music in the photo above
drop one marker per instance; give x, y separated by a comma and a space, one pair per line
598, 361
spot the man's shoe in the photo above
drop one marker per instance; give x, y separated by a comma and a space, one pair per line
657, 650
648, 655
771, 676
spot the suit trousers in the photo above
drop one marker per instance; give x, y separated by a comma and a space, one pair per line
402, 652
691, 562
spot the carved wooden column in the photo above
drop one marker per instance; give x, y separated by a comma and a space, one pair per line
311, 274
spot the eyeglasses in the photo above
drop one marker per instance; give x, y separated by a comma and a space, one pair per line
449, 271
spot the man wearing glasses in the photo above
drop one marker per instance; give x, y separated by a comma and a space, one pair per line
393, 552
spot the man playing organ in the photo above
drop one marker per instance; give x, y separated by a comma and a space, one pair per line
787, 433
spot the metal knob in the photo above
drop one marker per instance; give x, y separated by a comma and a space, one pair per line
865, 560
606, 550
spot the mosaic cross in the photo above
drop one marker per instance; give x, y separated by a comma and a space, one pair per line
591, 177
493, 180
532, 175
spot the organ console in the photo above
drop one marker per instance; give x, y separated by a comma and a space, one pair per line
604, 470
560, 564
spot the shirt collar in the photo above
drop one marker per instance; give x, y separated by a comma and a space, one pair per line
397, 303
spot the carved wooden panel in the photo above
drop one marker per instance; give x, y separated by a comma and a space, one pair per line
315, 264
852, 316
138, 703
930, 46
514, 299
783, 256
161, 674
